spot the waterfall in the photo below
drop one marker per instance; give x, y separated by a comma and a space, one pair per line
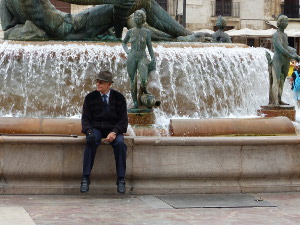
51, 79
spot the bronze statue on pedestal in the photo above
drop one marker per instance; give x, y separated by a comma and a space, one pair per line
137, 61
279, 65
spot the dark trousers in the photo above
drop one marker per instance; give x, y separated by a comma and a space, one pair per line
120, 150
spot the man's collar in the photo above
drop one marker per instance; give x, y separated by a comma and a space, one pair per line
107, 94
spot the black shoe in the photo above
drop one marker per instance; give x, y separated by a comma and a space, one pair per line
121, 186
84, 187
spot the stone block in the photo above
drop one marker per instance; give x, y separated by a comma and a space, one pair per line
277, 111
232, 127
141, 118
155, 165
189, 162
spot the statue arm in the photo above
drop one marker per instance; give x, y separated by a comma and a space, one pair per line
293, 52
125, 41
279, 46
149, 45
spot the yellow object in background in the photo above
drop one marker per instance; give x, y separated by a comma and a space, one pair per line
292, 66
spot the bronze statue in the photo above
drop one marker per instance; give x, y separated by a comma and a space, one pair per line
137, 61
280, 62
220, 36
91, 24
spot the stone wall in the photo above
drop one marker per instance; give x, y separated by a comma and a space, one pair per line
155, 165
255, 17
198, 13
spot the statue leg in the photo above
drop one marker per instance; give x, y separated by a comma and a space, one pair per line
280, 89
275, 88
276, 73
86, 24
271, 95
143, 69
132, 72
283, 76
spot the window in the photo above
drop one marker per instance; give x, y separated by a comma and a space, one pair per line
291, 8
62, 6
225, 29
265, 43
251, 42
225, 8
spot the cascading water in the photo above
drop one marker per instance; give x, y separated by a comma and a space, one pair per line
51, 79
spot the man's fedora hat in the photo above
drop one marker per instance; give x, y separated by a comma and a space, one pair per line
104, 76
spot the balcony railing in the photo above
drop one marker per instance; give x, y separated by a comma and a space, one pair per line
292, 10
231, 9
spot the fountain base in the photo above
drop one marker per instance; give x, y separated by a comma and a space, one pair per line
52, 164
142, 125
278, 126
278, 110
155, 165
141, 118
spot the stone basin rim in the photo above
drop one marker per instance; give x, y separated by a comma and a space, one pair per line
161, 141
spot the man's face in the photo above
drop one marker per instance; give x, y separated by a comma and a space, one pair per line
103, 86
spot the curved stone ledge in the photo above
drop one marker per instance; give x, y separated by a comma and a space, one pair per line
155, 44
155, 165
223, 127
265, 126
158, 141
216, 141
41, 140
18, 125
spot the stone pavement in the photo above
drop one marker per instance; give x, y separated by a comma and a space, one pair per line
139, 209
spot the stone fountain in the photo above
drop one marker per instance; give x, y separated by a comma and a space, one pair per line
50, 79
201, 141
43, 86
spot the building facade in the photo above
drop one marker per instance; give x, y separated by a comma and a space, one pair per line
241, 14
202, 14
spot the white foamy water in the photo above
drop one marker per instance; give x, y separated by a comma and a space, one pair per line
209, 82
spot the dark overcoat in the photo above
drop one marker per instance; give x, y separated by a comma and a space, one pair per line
94, 115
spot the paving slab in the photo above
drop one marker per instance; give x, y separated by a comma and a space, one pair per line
146, 209
181, 201
14, 215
